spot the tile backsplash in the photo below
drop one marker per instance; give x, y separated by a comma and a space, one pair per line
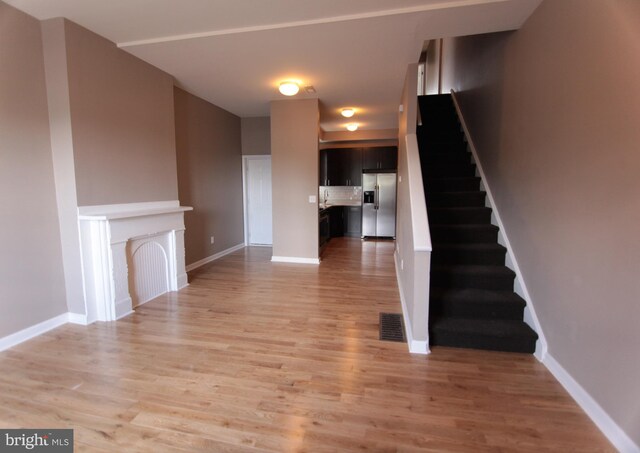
340, 195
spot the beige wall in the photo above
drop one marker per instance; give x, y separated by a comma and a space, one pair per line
31, 279
123, 125
294, 169
432, 72
554, 110
209, 175
256, 135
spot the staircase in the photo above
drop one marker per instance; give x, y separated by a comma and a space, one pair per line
472, 303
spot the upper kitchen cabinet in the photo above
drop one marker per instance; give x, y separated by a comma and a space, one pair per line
324, 167
380, 158
330, 168
353, 169
341, 167
337, 162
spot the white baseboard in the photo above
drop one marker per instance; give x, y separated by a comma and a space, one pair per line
77, 318
415, 346
183, 281
602, 420
519, 286
294, 259
30, 332
211, 258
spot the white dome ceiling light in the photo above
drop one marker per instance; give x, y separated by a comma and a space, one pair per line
348, 112
352, 127
289, 88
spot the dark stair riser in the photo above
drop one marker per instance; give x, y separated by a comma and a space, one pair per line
454, 339
442, 135
431, 109
475, 199
430, 147
459, 216
492, 334
501, 305
451, 184
493, 256
446, 158
452, 277
448, 171
463, 234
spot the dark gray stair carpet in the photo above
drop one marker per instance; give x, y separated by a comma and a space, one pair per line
492, 334
472, 302
475, 303
456, 199
479, 253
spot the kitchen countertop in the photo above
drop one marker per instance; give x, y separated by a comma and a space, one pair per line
322, 206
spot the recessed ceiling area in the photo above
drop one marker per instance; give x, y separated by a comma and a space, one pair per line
235, 53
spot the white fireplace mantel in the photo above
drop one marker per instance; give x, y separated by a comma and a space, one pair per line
104, 234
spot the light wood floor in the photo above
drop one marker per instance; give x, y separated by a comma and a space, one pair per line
259, 356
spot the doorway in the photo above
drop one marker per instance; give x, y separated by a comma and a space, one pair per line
257, 200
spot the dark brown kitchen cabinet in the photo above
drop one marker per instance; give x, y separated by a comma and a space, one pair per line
337, 167
380, 158
352, 218
341, 167
353, 172
329, 168
344, 221
323, 168
344, 166
336, 221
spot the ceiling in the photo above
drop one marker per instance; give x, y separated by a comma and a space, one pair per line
233, 53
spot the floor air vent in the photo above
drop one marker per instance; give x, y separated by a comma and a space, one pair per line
391, 327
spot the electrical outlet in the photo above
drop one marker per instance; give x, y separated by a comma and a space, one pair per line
212, 240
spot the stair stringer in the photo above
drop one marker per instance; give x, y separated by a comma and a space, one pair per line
520, 287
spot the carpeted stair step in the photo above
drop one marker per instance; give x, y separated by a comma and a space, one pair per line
445, 125
451, 184
429, 147
456, 199
491, 334
492, 254
475, 303
491, 277
459, 215
433, 106
446, 158
443, 134
449, 171
463, 234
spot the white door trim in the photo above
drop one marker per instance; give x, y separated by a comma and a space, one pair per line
245, 204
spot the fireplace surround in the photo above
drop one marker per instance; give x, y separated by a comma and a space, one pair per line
111, 236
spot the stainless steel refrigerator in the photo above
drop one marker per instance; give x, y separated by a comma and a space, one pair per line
379, 205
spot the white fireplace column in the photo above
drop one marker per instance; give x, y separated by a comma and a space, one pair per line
104, 234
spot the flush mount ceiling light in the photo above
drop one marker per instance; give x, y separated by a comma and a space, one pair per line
348, 113
352, 127
289, 88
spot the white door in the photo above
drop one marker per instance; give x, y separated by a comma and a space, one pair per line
258, 180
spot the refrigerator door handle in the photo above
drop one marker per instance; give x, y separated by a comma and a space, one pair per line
377, 197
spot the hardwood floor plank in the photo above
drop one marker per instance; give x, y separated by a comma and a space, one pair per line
255, 356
